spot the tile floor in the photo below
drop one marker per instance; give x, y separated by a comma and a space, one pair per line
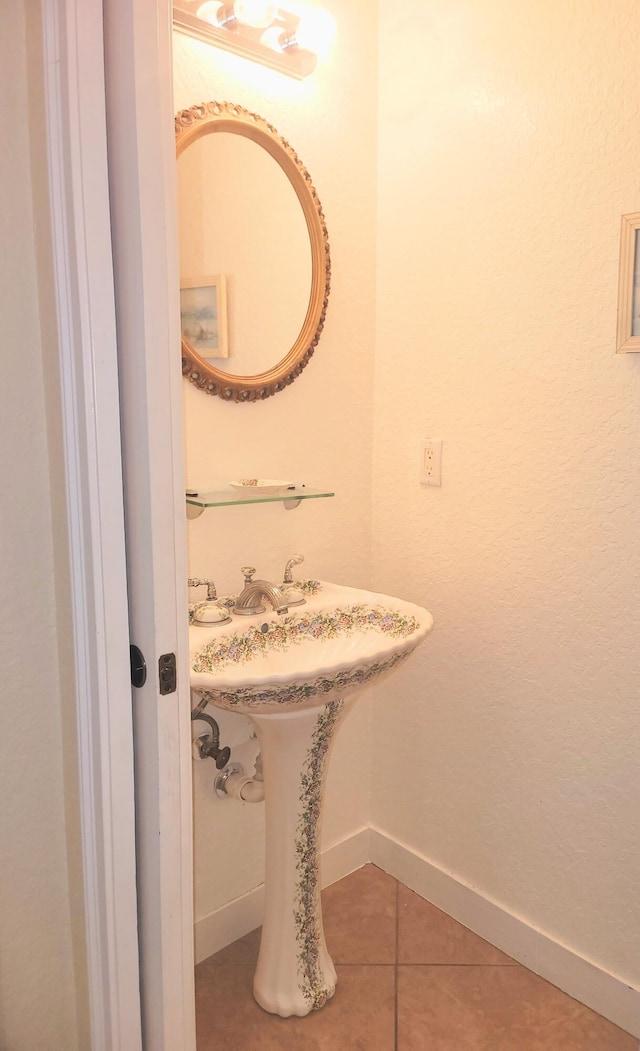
409, 979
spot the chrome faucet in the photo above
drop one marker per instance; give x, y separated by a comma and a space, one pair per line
295, 560
195, 582
293, 593
249, 600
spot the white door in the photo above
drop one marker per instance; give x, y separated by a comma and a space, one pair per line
143, 207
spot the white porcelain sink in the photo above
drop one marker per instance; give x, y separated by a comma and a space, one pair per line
341, 639
295, 675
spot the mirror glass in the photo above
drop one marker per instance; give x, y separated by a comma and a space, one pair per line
240, 218
254, 254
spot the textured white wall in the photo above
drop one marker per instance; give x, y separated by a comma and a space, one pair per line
509, 146
40, 914
318, 431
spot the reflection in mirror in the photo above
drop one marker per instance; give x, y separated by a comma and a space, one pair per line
254, 254
240, 218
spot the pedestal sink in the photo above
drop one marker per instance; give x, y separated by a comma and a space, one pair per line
294, 676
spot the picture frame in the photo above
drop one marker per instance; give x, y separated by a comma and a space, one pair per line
628, 332
203, 315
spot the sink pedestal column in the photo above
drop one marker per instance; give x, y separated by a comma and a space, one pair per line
295, 974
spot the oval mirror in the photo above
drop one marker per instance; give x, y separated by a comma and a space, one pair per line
254, 254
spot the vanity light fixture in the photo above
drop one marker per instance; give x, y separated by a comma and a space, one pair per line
260, 30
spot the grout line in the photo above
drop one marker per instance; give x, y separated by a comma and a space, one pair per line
395, 973
511, 966
390, 963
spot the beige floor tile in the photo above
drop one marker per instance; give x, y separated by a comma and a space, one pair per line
495, 1009
427, 935
360, 1016
227, 977
359, 914
472, 997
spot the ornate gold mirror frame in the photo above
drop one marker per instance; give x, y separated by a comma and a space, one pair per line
213, 117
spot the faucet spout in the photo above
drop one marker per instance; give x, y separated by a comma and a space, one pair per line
249, 602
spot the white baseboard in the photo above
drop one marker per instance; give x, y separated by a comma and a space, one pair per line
228, 923
238, 917
584, 981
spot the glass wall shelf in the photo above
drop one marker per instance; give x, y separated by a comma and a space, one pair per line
225, 497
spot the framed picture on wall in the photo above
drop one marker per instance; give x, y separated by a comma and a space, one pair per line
203, 315
628, 338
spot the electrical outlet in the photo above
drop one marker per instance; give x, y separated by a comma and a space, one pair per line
431, 462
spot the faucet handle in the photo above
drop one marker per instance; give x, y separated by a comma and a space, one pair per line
295, 560
248, 574
195, 582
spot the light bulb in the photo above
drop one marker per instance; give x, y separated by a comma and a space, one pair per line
316, 31
272, 37
208, 11
256, 13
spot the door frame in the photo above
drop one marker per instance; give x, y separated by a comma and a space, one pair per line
78, 199
90, 404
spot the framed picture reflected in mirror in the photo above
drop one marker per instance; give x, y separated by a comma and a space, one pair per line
203, 315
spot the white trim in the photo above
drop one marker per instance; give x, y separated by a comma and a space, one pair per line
77, 158
604, 993
344, 857
230, 922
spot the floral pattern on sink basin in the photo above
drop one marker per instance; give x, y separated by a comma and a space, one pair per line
321, 690
281, 634
338, 642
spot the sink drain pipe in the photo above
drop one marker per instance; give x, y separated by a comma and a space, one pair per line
238, 785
